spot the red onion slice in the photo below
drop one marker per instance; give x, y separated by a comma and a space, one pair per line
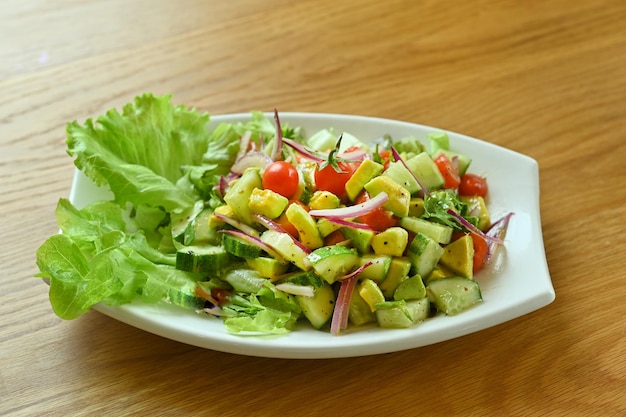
294, 289
303, 150
251, 160
397, 157
472, 228
254, 241
278, 146
353, 211
237, 224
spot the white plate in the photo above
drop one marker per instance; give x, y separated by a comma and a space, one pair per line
516, 284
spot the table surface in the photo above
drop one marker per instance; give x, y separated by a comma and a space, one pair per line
543, 78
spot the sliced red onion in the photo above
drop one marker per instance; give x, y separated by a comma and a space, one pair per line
303, 150
244, 142
498, 230
472, 228
353, 211
251, 160
355, 272
397, 157
237, 224
341, 313
348, 223
290, 288
268, 223
278, 146
354, 156
254, 241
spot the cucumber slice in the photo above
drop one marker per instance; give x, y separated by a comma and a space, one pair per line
439, 232
202, 259
238, 196
332, 262
379, 268
239, 248
424, 254
452, 295
319, 308
245, 280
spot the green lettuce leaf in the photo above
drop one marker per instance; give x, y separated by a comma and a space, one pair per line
139, 153
99, 258
266, 311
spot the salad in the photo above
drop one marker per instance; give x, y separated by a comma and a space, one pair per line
262, 225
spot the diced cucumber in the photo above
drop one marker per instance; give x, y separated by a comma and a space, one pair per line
182, 222
361, 239
402, 314
359, 311
185, 300
379, 268
238, 196
319, 308
202, 258
203, 233
239, 248
424, 254
332, 262
244, 280
439, 232
287, 248
308, 278
426, 170
454, 294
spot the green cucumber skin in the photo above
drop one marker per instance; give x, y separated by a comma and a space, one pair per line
454, 294
202, 259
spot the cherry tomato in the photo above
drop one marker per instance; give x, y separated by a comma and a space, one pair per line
448, 170
334, 238
379, 219
328, 179
282, 178
473, 185
480, 251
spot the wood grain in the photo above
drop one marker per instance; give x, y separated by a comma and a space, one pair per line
544, 78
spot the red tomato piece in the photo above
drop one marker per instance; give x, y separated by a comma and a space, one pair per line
481, 250
379, 219
282, 178
448, 170
473, 185
329, 179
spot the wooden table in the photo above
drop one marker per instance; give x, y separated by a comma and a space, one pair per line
543, 78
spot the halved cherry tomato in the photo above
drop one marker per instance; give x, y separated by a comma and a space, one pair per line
334, 238
282, 178
480, 251
448, 170
379, 219
328, 179
473, 185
